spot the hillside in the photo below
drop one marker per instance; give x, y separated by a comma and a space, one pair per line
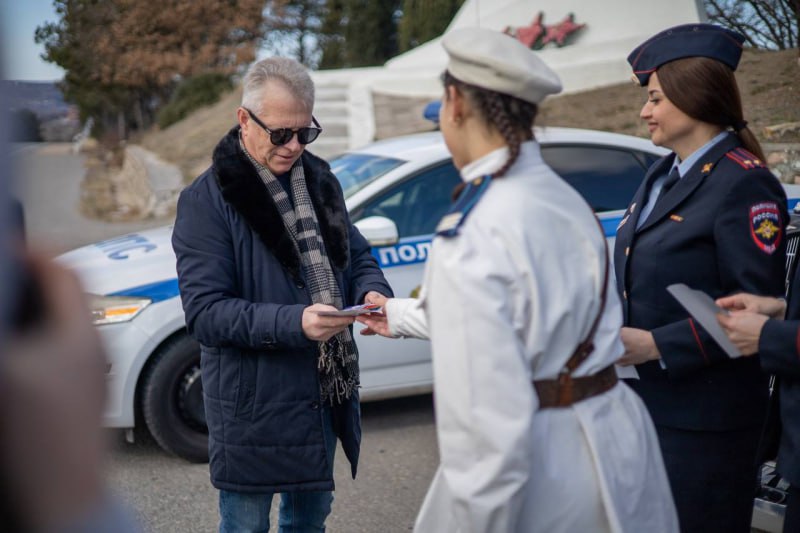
769, 82
189, 143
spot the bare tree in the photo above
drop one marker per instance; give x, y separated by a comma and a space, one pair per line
423, 20
764, 23
292, 28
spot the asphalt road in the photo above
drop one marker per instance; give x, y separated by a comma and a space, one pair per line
168, 494
398, 459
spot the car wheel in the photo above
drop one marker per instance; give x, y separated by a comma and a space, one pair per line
172, 399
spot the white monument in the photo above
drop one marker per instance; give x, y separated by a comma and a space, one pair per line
592, 56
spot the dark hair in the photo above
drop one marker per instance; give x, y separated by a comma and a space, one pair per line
511, 117
706, 90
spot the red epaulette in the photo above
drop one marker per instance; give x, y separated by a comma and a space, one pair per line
745, 159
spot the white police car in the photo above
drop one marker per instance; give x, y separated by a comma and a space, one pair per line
396, 192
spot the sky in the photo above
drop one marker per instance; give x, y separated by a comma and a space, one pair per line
20, 54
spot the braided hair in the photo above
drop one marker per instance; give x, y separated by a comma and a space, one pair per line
511, 117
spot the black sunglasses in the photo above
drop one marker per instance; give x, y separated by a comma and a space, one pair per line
281, 136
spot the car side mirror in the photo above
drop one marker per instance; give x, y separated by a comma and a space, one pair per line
379, 231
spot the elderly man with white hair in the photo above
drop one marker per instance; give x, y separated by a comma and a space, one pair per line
263, 244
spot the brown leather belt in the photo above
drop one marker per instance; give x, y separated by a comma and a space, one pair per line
567, 390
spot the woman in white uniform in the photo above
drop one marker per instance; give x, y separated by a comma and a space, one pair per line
517, 282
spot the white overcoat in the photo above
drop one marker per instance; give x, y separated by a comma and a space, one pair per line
506, 301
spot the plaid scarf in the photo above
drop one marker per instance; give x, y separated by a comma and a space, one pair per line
337, 362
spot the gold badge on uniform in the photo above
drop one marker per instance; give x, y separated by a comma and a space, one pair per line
707, 168
676, 218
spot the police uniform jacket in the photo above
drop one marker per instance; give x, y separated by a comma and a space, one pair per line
779, 349
506, 300
720, 229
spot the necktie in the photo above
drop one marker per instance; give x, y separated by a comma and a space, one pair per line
671, 180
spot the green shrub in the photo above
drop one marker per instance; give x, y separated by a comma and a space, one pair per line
193, 93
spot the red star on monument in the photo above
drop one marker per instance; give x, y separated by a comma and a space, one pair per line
558, 33
528, 35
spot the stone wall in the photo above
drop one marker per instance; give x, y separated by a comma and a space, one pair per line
142, 186
784, 160
132, 188
399, 115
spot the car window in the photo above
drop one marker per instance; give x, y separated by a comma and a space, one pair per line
356, 171
417, 204
649, 158
606, 177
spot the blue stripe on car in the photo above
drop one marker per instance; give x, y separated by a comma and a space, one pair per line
157, 292
610, 225
413, 250
407, 252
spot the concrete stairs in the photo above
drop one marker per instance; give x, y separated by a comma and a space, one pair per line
331, 111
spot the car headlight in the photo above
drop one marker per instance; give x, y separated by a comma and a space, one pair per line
113, 309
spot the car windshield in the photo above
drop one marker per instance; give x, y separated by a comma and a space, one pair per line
355, 171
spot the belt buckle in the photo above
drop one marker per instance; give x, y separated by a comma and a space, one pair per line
564, 394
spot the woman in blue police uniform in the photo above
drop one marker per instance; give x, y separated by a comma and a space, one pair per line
709, 215
756, 326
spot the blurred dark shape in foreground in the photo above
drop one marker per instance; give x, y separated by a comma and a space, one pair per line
52, 389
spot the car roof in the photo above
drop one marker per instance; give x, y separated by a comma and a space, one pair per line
406, 147
430, 145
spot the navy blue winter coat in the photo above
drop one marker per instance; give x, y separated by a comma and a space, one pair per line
243, 291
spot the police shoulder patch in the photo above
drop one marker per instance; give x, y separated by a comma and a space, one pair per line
745, 159
455, 217
765, 226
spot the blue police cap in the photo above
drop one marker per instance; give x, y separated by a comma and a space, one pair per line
688, 40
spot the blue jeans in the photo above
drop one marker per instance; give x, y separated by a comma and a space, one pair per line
299, 512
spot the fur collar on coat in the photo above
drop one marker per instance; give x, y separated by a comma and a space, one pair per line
243, 189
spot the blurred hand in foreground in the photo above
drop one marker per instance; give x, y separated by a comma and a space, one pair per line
52, 392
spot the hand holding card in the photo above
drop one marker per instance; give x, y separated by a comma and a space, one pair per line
355, 310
